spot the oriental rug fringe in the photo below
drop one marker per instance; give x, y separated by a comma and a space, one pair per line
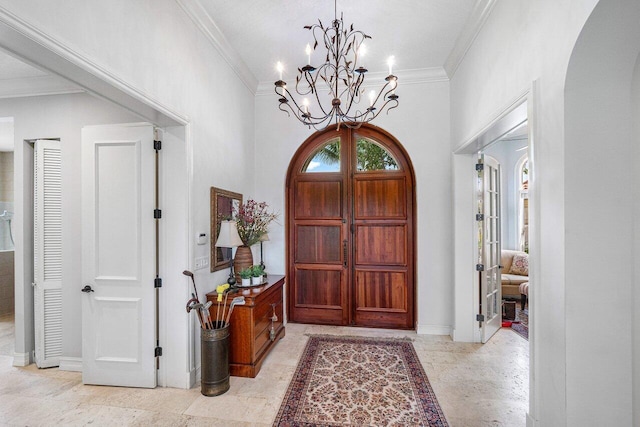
356, 381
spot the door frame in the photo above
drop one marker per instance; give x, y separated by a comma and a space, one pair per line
304, 150
29, 44
466, 289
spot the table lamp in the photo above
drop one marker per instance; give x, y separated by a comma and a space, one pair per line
263, 238
228, 237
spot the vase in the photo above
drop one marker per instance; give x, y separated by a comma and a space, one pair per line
242, 260
256, 280
246, 282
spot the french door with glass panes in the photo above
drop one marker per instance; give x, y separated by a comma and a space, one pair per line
489, 239
350, 230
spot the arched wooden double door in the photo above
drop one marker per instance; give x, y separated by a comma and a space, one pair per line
350, 230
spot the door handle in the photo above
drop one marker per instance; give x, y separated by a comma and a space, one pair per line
344, 252
87, 289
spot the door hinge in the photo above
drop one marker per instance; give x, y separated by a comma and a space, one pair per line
479, 166
158, 351
480, 317
479, 217
157, 213
157, 145
479, 267
157, 282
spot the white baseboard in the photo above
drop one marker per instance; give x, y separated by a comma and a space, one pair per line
21, 359
433, 330
73, 364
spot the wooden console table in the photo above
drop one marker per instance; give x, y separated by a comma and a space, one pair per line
254, 329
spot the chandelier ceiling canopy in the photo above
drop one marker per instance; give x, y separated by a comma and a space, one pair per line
334, 91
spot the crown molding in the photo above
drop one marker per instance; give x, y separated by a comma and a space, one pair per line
375, 80
470, 31
36, 86
32, 46
199, 15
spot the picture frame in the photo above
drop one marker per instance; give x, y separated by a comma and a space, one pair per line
223, 204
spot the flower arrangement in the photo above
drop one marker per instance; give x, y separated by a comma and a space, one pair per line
253, 219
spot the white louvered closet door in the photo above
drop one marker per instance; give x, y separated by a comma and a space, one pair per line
48, 253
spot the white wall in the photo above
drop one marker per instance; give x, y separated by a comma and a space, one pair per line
635, 99
152, 46
599, 137
421, 124
576, 371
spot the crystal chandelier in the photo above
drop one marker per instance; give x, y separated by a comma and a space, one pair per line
337, 84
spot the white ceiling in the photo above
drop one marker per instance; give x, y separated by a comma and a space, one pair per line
253, 35
421, 34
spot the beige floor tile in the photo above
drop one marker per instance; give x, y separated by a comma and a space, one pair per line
476, 385
232, 407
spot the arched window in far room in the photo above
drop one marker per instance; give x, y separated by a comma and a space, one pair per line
523, 202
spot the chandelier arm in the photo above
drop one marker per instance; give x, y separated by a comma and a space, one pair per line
395, 106
341, 65
355, 92
310, 84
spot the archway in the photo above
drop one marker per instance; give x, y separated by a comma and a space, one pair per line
601, 152
351, 230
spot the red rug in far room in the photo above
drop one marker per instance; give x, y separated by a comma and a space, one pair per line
521, 323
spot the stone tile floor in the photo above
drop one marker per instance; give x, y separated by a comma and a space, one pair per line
476, 385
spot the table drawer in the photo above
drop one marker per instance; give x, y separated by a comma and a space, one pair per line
262, 318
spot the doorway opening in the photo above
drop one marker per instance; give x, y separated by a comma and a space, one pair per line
351, 230
7, 273
511, 152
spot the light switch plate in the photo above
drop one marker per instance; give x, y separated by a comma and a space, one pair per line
202, 262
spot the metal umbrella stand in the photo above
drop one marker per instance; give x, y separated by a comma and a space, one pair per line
214, 347
214, 342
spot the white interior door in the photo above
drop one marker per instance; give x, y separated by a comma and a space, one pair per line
47, 250
490, 247
118, 244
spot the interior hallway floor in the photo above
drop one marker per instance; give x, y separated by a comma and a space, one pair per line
476, 385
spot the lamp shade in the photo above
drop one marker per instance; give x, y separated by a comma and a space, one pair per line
228, 236
264, 237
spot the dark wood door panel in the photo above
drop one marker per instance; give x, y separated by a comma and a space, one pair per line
381, 244
320, 296
380, 198
320, 244
318, 200
319, 288
383, 299
381, 290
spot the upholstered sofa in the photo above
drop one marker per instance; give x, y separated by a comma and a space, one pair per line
515, 271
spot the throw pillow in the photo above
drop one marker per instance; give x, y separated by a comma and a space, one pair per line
520, 265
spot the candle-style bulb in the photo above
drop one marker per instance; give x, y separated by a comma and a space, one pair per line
362, 50
308, 52
390, 62
280, 68
305, 105
372, 97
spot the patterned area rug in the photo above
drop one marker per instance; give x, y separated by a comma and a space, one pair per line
349, 381
521, 324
